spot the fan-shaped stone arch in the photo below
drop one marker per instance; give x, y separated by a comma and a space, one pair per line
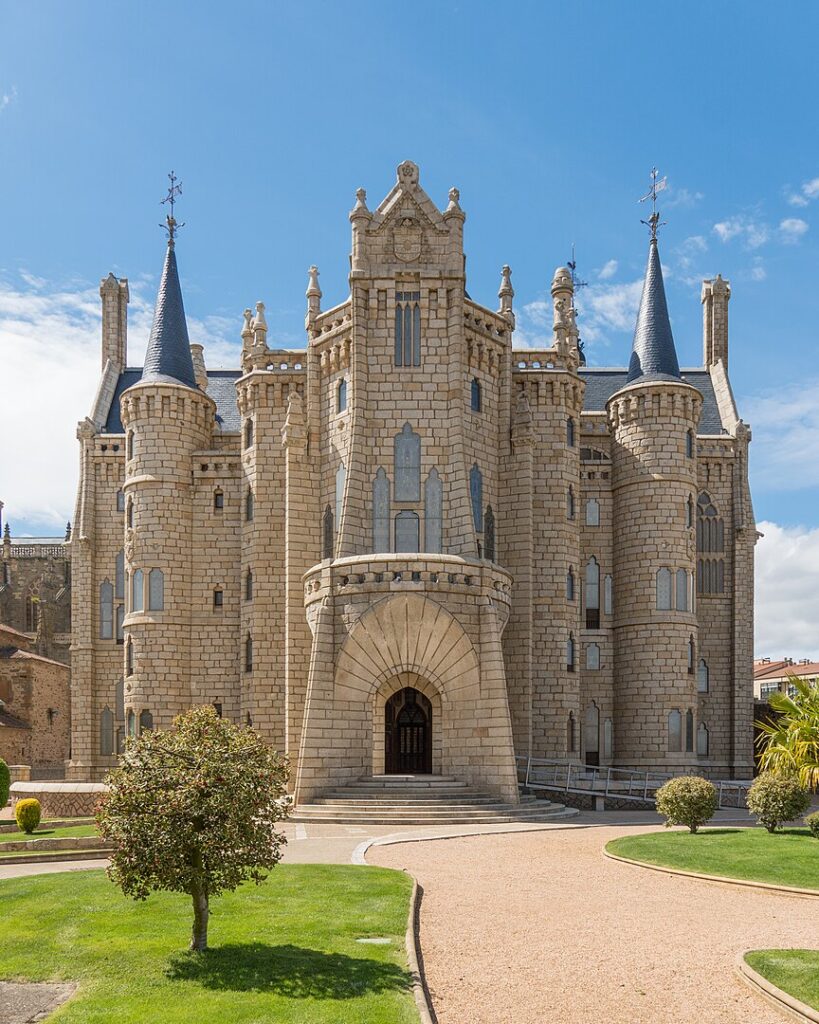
408, 633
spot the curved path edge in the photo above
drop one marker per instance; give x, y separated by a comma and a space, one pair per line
747, 883
787, 1004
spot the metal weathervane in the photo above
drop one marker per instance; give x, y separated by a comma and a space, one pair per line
576, 286
171, 225
657, 185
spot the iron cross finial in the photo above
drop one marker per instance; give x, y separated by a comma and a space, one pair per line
576, 283
171, 225
657, 185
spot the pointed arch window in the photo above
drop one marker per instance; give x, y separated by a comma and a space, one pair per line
146, 721
674, 732
570, 439
218, 499
106, 611
119, 618
592, 512
703, 680
129, 657
119, 575
489, 534
592, 594
249, 432
107, 732
692, 655
592, 656
570, 653
570, 503
248, 653
689, 444
407, 459
663, 586
710, 542
120, 501
433, 512
381, 512
249, 585
32, 613
689, 511
702, 740
129, 444
608, 595
570, 584
407, 329
249, 505
476, 496
475, 395
341, 395
689, 731
137, 590
407, 532
156, 590
681, 590
327, 532
341, 481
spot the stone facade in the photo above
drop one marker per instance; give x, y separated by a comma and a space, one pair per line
35, 707
411, 533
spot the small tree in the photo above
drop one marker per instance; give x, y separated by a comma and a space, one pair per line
194, 810
5, 783
687, 800
777, 798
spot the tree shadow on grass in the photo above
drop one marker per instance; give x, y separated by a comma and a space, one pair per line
291, 971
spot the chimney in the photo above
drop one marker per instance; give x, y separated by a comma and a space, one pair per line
114, 295
199, 370
715, 296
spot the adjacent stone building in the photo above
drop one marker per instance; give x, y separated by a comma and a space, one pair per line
411, 548
35, 707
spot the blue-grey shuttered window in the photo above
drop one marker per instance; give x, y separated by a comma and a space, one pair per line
381, 512
407, 456
407, 328
433, 511
476, 496
407, 532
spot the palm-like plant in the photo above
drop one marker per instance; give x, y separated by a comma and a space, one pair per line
790, 744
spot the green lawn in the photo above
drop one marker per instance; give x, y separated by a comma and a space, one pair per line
790, 857
283, 952
795, 971
44, 832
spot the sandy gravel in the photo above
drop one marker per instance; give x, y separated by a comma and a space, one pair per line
540, 928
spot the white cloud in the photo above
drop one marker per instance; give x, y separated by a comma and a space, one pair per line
609, 269
787, 598
791, 229
758, 271
682, 197
50, 354
785, 449
753, 233
7, 98
808, 191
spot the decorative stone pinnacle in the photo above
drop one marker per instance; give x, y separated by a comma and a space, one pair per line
247, 329
312, 283
506, 282
68, 531
455, 197
408, 173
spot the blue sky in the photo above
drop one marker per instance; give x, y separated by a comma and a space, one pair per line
548, 117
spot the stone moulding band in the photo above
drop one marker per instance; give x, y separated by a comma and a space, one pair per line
747, 883
787, 1004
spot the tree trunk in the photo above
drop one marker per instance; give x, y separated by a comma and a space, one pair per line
199, 894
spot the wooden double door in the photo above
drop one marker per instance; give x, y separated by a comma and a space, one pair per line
408, 733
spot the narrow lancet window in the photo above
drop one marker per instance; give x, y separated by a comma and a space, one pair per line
156, 590
106, 611
341, 395
476, 496
407, 328
328, 533
407, 457
381, 512
407, 528
137, 590
476, 395
433, 512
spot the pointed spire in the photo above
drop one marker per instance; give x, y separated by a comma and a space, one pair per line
506, 293
68, 531
168, 358
653, 355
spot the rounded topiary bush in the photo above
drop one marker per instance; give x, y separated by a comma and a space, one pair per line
777, 798
688, 800
27, 813
812, 821
5, 782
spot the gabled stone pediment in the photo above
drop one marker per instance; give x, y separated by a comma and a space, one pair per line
407, 201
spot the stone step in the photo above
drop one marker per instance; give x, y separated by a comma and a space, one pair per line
445, 816
458, 796
421, 806
417, 787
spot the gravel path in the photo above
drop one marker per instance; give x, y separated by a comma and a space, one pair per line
540, 928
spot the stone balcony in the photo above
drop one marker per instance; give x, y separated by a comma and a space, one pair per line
408, 573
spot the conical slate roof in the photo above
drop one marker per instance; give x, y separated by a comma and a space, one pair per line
168, 357
653, 356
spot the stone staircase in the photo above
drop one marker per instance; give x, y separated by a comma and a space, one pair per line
421, 800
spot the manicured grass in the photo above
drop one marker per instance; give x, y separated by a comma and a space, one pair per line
44, 832
795, 971
790, 857
284, 951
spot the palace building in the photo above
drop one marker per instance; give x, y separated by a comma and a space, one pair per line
411, 548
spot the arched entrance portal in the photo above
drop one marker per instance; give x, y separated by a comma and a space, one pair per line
408, 733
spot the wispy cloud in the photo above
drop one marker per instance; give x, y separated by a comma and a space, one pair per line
751, 232
50, 340
791, 229
786, 437
805, 194
684, 197
787, 598
608, 270
7, 98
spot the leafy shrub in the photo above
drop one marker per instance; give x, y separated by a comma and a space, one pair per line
688, 800
812, 821
5, 782
777, 798
27, 813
